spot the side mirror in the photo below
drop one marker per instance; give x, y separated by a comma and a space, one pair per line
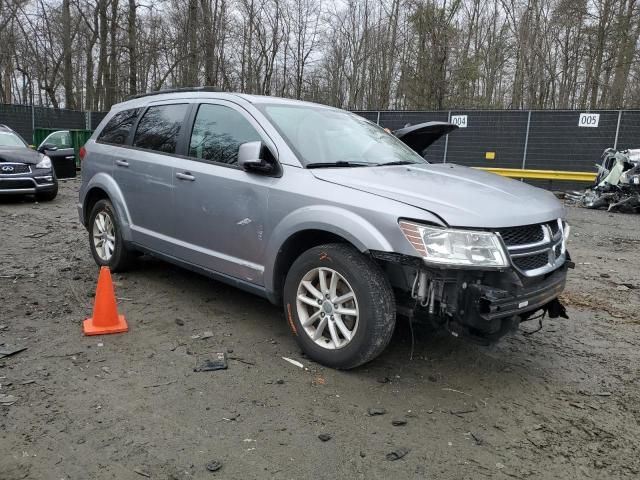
251, 156
47, 146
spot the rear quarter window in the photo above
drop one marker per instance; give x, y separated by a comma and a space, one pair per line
116, 131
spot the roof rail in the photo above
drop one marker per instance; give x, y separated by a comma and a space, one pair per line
177, 90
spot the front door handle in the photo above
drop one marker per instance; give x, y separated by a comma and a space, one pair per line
185, 176
122, 163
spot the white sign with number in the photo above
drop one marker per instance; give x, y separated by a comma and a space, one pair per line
459, 120
589, 120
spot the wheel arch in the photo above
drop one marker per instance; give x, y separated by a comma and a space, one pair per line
310, 227
104, 187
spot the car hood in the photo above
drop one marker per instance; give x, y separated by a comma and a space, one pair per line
19, 155
461, 196
422, 135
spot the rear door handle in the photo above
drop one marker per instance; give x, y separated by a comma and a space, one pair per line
122, 163
185, 176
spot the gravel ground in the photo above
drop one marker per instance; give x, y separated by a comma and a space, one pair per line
561, 403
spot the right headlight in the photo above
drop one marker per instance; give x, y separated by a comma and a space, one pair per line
445, 246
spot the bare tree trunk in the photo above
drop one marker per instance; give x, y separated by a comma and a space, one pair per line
133, 54
70, 99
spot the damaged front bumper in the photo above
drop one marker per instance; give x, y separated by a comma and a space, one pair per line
482, 306
485, 313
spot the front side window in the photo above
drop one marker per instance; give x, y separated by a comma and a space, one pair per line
159, 128
116, 131
218, 132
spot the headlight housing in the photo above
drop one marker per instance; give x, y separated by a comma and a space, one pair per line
444, 246
45, 162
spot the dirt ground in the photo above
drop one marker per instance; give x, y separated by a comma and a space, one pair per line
561, 403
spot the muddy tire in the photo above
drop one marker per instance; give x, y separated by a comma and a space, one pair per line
339, 305
105, 238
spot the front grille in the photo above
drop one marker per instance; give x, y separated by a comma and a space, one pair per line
17, 168
5, 185
515, 236
534, 249
532, 262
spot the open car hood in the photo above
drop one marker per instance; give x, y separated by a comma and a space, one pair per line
422, 135
19, 155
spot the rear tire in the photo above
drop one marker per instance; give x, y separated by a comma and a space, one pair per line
345, 319
105, 238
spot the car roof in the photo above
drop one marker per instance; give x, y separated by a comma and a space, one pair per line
205, 93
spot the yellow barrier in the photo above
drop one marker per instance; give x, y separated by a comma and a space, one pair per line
542, 174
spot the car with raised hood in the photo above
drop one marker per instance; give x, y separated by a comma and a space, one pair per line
24, 171
325, 213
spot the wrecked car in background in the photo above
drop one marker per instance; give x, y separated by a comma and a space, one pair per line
324, 213
617, 186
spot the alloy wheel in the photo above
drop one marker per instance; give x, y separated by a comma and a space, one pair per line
104, 236
327, 308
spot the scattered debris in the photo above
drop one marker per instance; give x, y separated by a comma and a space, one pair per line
7, 351
293, 362
180, 322
457, 391
376, 411
207, 334
6, 400
617, 186
242, 360
325, 437
461, 412
220, 363
383, 380
476, 437
214, 466
142, 472
280, 381
159, 384
397, 454
398, 423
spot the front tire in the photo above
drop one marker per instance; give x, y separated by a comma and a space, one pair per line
339, 305
105, 238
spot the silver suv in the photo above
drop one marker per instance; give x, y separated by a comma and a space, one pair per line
325, 213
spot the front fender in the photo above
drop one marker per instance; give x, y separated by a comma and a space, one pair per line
106, 183
344, 223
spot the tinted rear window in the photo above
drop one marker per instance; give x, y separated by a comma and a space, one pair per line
117, 129
159, 128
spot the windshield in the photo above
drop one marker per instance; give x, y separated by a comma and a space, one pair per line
325, 136
9, 139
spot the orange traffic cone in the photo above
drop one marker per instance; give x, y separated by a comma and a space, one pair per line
105, 311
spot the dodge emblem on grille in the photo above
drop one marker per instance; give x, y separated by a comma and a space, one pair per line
7, 168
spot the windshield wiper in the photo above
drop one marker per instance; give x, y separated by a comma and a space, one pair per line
338, 164
399, 162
